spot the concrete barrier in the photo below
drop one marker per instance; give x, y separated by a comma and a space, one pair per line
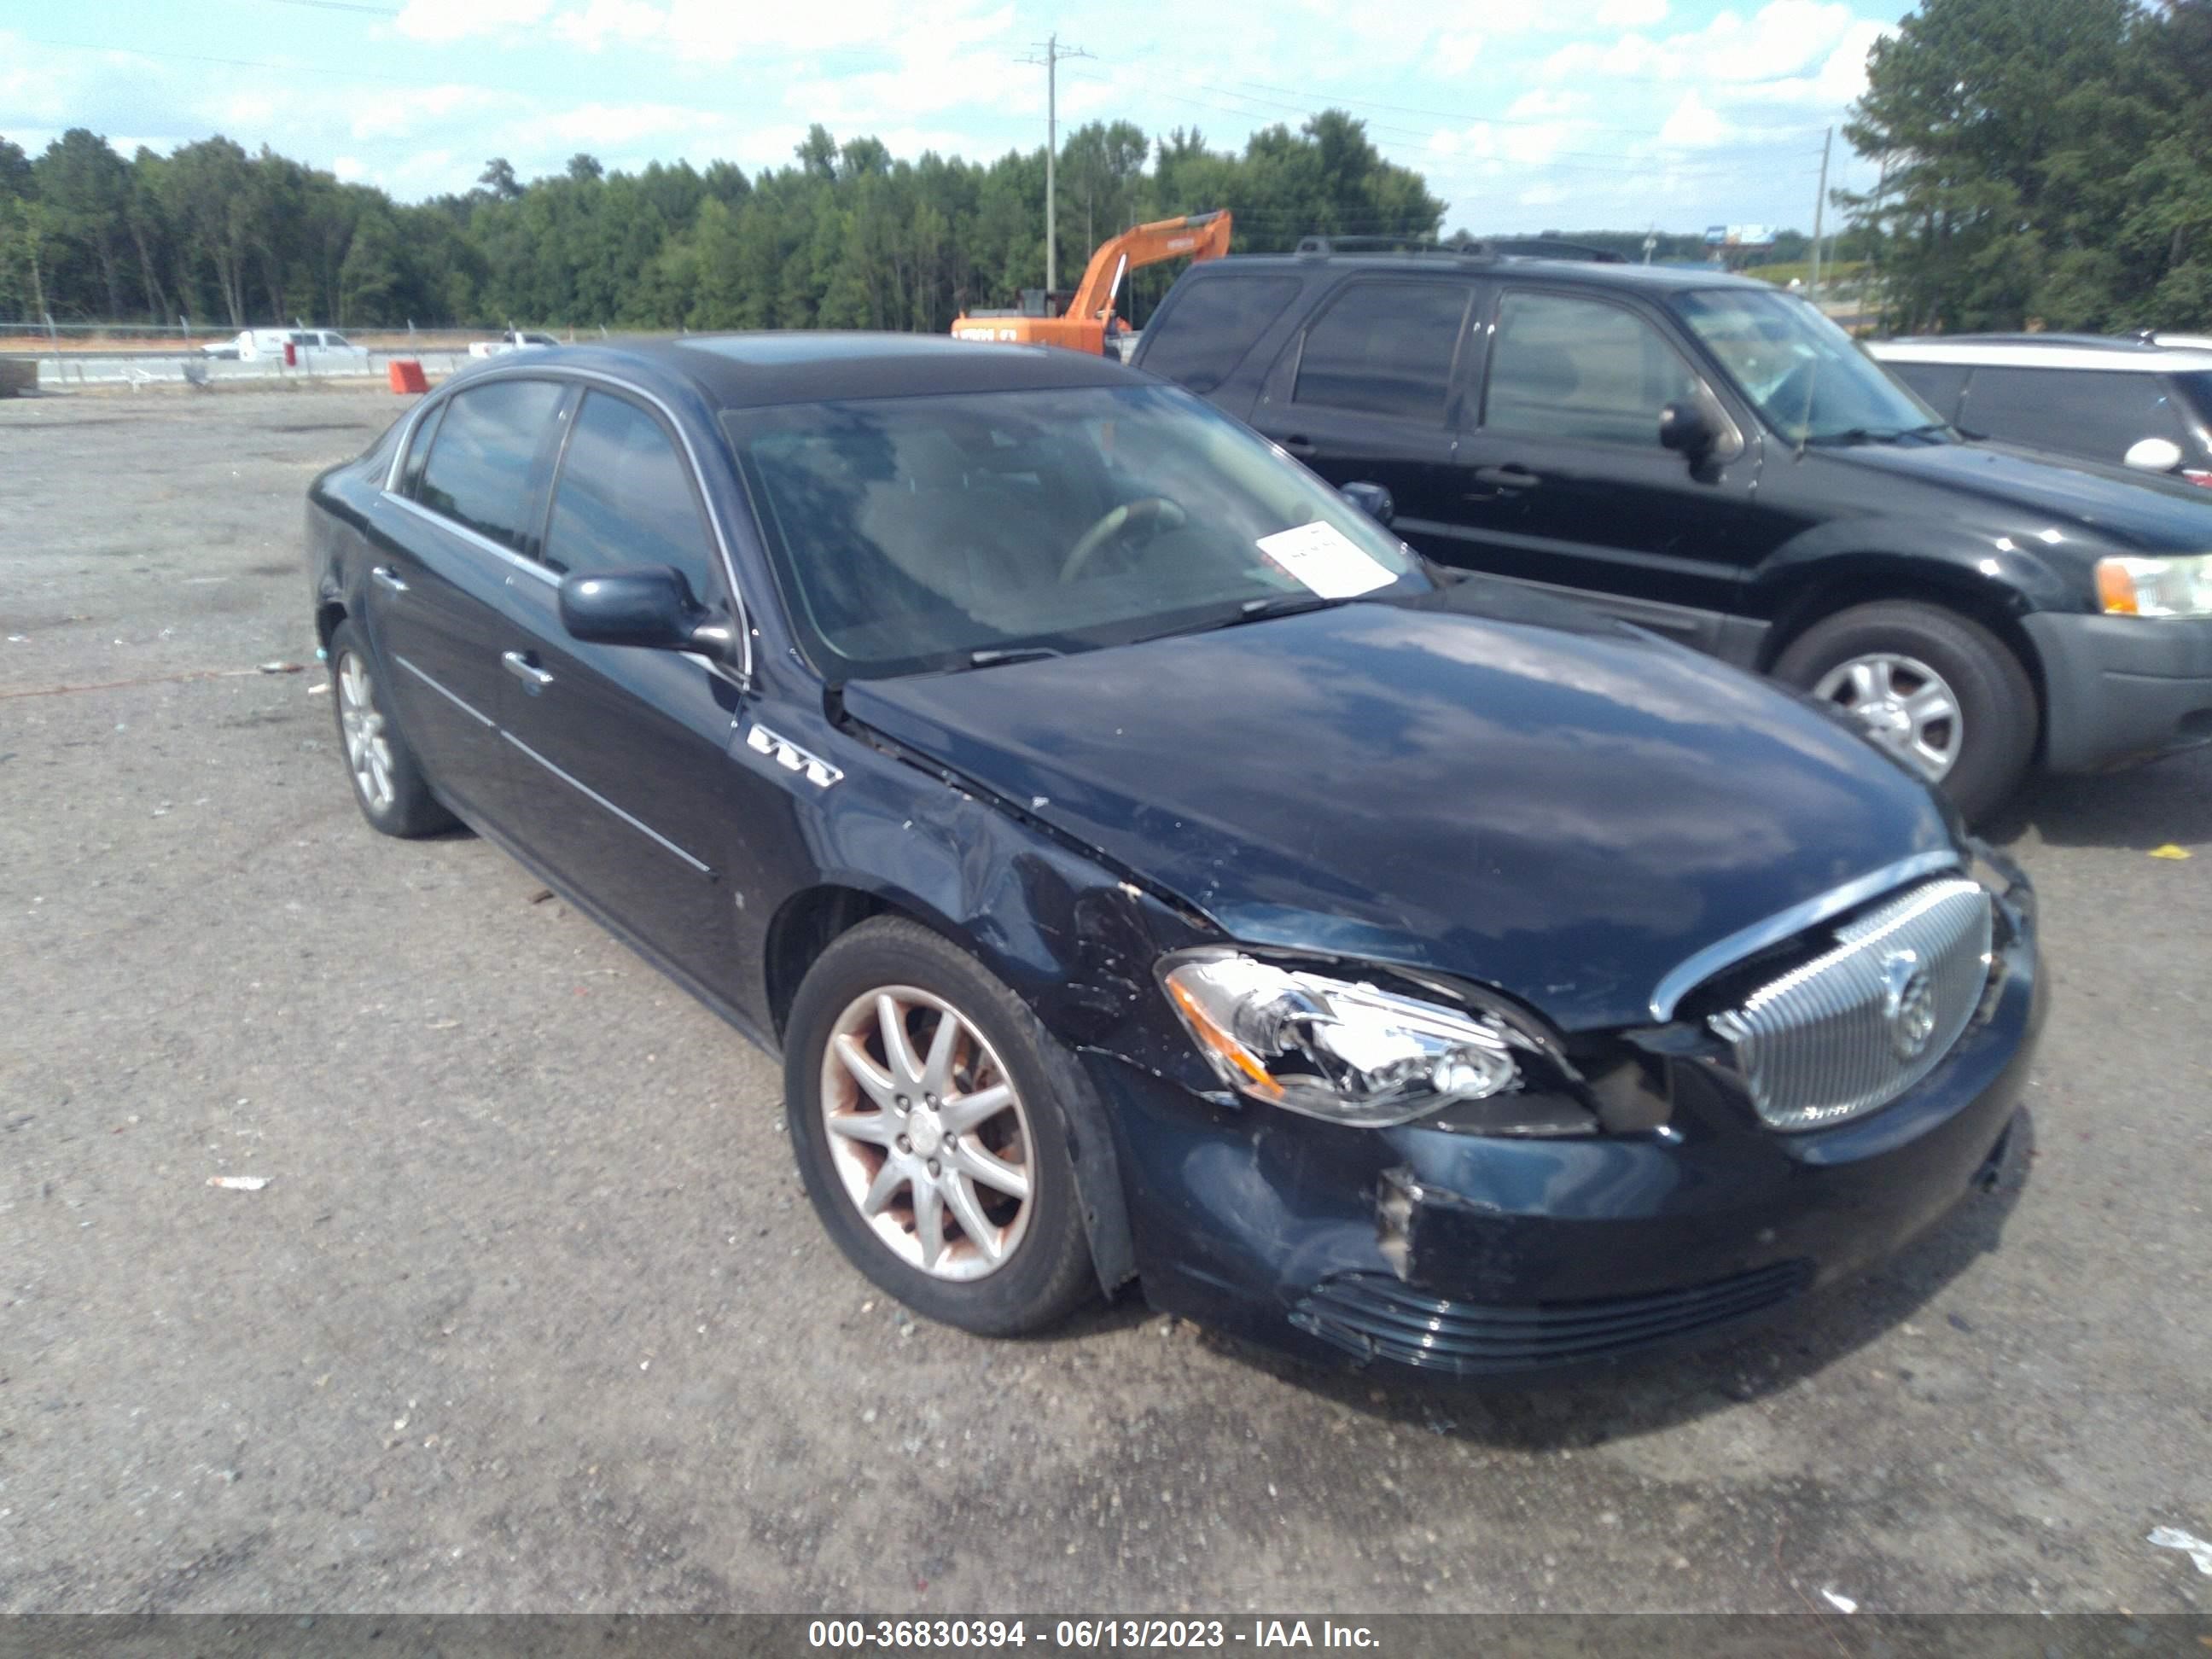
18, 377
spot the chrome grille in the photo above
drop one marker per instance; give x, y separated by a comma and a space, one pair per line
1859, 1024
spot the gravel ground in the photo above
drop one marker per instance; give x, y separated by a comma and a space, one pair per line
532, 1314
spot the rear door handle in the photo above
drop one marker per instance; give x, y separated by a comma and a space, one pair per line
382, 576
534, 679
1507, 478
1303, 448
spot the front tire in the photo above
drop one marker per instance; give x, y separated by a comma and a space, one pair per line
920, 1107
1936, 688
388, 784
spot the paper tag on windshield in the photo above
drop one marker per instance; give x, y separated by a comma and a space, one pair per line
1327, 561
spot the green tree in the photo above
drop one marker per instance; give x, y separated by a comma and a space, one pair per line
2037, 162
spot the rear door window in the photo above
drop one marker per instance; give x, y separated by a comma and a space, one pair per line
1567, 367
1937, 384
624, 499
1385, 348
1213, 324
418, 452
2094, 413
478, 473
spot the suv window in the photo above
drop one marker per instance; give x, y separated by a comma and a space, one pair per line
478, 473
1563, 368
1937, 384
1208, 330
624, 498
1386, 348
2091, 412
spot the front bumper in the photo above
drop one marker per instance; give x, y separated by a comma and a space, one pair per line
1500, 1258
2118, 689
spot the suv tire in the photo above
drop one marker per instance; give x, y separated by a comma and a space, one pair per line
1995, 717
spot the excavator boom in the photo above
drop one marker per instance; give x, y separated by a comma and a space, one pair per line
1088, 319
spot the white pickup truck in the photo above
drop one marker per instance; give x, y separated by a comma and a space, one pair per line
255, 345
512, 340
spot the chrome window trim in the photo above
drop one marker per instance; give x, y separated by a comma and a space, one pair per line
536, 371
476, 538
584, 788
1695, 969
467, 709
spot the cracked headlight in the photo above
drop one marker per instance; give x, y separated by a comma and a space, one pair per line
1348, 1052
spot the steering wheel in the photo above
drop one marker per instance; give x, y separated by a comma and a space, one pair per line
1158, 511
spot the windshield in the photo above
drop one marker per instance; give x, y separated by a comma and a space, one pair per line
1809, 379
931, 533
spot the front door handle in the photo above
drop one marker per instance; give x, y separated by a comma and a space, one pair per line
534, 679
382, 576
1303, 448
1507, 478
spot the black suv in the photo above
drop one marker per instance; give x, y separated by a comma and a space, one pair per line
1709, 457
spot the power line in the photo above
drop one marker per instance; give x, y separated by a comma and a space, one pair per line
345, 5
1596, 161
1053, 52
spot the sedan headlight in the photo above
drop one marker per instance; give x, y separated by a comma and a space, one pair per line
1350, 1053
2174, 586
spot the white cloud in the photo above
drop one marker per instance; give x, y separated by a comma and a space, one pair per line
458, 19
1458, 51
350, 169
1695, 124
629, 21
1631, 14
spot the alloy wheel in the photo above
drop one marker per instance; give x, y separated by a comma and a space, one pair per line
369, 750
1904, 705
927, 1133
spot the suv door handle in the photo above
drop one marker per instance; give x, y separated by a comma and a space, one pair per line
1507, 478
1300, 447
534, 679
382, 576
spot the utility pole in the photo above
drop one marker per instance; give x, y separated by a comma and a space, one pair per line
1813, 287
1053, 52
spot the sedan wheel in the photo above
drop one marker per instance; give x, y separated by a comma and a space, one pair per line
929, 1110
369, 750
387, 781
1904, 705
928, 1133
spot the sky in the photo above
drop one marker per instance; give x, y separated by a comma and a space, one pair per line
1524, 115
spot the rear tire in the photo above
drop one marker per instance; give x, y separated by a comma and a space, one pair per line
388, 785
1892, 662
897, 1149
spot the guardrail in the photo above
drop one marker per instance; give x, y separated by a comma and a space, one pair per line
60, 372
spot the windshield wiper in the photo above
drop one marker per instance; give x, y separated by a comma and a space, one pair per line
1251, 610
1878, 435
992, 656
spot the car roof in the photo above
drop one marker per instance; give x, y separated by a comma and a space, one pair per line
749, 371
1597, 273
2076, 351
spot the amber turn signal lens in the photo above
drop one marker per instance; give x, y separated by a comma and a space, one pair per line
1222, 1043
2116, 589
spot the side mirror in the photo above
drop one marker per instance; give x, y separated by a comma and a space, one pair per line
1374, 501
1686, 428
2154, 455
651, 606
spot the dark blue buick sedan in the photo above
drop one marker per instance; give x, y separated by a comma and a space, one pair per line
1150, 870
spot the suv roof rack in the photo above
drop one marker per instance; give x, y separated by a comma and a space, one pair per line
1321, 246
1461, 247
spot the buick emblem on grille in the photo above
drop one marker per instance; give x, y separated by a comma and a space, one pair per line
1909, 1005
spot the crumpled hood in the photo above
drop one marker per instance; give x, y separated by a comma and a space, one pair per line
2118, 508
1563, 813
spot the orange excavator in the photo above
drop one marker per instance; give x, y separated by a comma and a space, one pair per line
1084, 320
